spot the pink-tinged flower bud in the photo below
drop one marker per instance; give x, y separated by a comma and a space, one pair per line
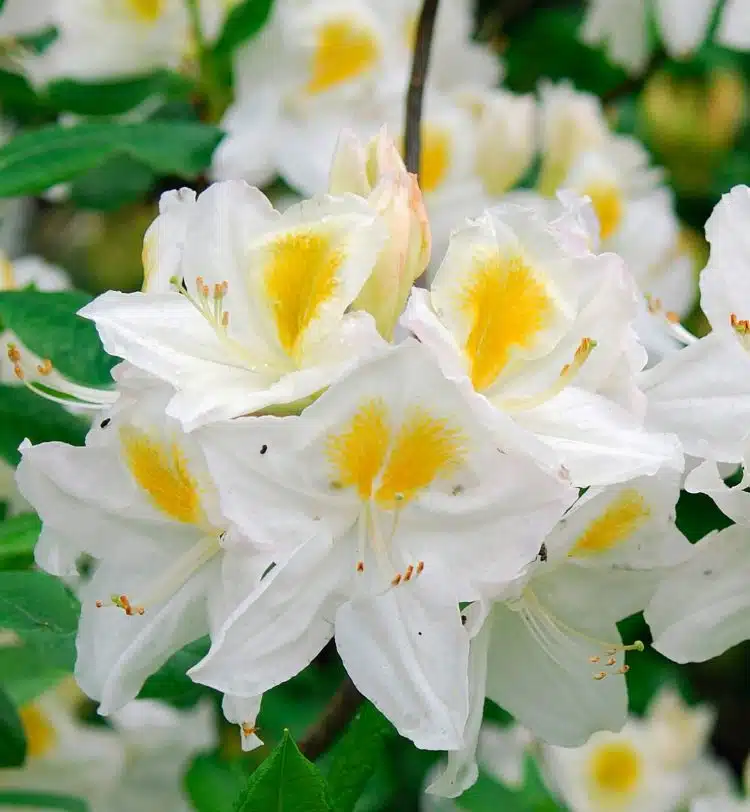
376, 171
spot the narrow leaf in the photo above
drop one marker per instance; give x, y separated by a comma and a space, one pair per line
286, 781
42, 800
243, 22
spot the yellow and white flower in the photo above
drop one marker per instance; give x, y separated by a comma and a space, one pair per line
244, 308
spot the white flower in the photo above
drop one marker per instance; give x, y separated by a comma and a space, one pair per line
547, 648
99, 39
244, 307
401, 506
63, 754
703, 607
702, 392
376, 171
734, 29
543, 330
168, 565
159, 742
19, 17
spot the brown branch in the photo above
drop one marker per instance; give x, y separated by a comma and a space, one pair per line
340, 711
634, 84
415, 94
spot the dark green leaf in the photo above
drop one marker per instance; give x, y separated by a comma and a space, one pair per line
245, 20
286, 781
112, 98
213, 784
42, 612
171, 683
42, 800
36, 160
49, 325
12, 737
18, 536
118, 181
26, 415
356, 756
26, 673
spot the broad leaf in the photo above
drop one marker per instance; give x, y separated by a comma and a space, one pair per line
286, 781
26, 415
49, 325
42, 612
18, 536
27, 673
35, 160
357, 755
171, 683
213, 784
12, 737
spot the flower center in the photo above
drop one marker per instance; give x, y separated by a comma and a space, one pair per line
345, 49
508, 308
615, 768
40, 733
626, 514
435, 157
607, 202
147, 11
742, 329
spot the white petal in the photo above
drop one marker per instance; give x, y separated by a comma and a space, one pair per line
549, 687
164, 240
703, 607
683, 24
621, 25
280, 627
734, 502
461, 770
407, 651
599, 442
734, 29
243, 712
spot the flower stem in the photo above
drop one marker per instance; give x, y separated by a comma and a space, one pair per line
334, 720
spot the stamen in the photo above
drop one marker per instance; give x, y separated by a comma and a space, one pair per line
420, 567
742, 328
396, 580
567, 375
249, 730
409, 572
360, 566
594, 659
600, 675
670, 320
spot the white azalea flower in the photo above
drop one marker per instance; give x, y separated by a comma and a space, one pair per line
703, 607
543, 329
169, 565
539, 650
100, 39
401, 506
20, 18
701, 392
244, 307
63, 754
734, 28
159, 743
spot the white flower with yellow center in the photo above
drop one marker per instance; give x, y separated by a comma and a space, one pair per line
100, 39
546, 647
64, 755
168, 565
401, 508
244, 308
543, 330
702, 392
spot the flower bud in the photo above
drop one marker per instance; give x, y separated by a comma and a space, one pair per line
376, 171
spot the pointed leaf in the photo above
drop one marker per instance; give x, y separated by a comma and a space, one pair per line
12, 736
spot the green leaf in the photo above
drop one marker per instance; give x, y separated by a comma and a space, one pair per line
286, 781
42, 800
49, 325
357, 755
12, 736
112, 98
244, 21
26, 672
120, 180
171, 683
26, 415
42, 612
18, 536
36, 160
213, 784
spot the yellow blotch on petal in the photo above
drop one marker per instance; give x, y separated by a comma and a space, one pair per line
7, 276
615, 769
162, 472
425, 448
435, 157
607, 202
507, 308
301, 276
618, 522
147, 11
357, 454
345, 48
40, 734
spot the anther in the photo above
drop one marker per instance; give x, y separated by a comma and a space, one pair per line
14, 354
612, 661
595, 659
672, 317
409, 572
248, 730
623, 669
600, 675
360, 566
396, 579
225, 319
18, 372
99, 604
45, 368
420, 567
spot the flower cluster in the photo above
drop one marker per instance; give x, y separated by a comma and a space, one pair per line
466, 485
